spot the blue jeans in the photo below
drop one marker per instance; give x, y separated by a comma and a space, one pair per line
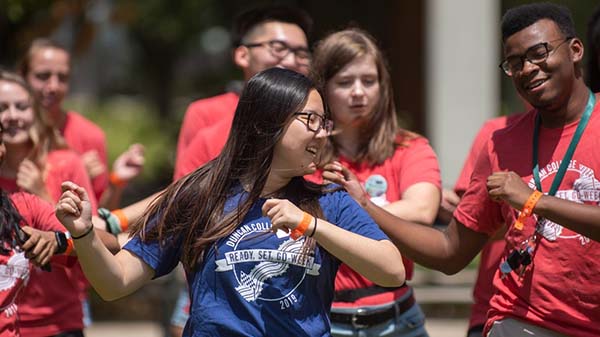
87, 312
409, 324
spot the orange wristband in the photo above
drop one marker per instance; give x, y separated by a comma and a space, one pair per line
528, 209
115, 180
70, 247
122, 219
302, 226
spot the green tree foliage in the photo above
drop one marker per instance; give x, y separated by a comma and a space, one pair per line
162, 31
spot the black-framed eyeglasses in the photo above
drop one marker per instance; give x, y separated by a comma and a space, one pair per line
280, 49
315, 122
536, 54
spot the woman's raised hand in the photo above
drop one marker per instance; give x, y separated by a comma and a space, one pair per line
73, 209
284, 214
93, 165
31, 179
130, 163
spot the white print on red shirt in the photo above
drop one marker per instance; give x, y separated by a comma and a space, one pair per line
13, 276
586, 189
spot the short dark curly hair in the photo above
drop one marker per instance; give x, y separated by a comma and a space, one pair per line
518, 18
248, 20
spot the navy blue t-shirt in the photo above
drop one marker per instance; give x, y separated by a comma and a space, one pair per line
258, 283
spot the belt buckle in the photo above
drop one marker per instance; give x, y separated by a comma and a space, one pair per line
355, 316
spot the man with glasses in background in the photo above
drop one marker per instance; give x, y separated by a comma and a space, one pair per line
264, 37
539, 177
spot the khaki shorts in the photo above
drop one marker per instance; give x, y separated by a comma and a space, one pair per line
510, 327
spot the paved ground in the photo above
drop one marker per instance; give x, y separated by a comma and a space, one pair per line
435, 327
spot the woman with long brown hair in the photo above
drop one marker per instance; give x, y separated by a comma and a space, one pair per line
28, 238
398, 169
37, 161
260, 245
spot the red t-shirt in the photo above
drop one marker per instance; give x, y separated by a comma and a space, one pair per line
413, 163
15, 269
492, 253
205, 147
560, 291
204, 113
62, 165
82, 135
482, 137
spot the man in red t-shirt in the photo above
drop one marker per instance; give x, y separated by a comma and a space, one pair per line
265, 37
548, 282
204, 147
46, 66
204, 114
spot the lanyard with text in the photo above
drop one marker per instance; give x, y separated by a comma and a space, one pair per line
568, 155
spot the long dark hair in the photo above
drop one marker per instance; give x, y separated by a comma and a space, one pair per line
10, 221
192, 207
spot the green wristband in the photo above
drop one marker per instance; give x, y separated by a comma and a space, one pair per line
113, 225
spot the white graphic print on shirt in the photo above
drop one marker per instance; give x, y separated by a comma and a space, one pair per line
13, 276
264, 274
586, 189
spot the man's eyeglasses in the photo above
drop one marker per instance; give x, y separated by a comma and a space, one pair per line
536, 55
281, 49
315, 122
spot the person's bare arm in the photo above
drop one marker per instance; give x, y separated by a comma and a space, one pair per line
448, 251
583, 219
371, 258
419, 203
113, 276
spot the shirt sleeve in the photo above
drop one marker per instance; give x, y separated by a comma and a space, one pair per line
72, 169
476, 209
478, 145
188, 128
162, 257
341, 210
37, 213
419, 164
192, 157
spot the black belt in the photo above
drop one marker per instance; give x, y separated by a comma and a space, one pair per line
352, 295
369, 318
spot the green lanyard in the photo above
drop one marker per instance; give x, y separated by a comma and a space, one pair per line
568, 155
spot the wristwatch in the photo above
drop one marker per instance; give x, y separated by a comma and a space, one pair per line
61, 240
